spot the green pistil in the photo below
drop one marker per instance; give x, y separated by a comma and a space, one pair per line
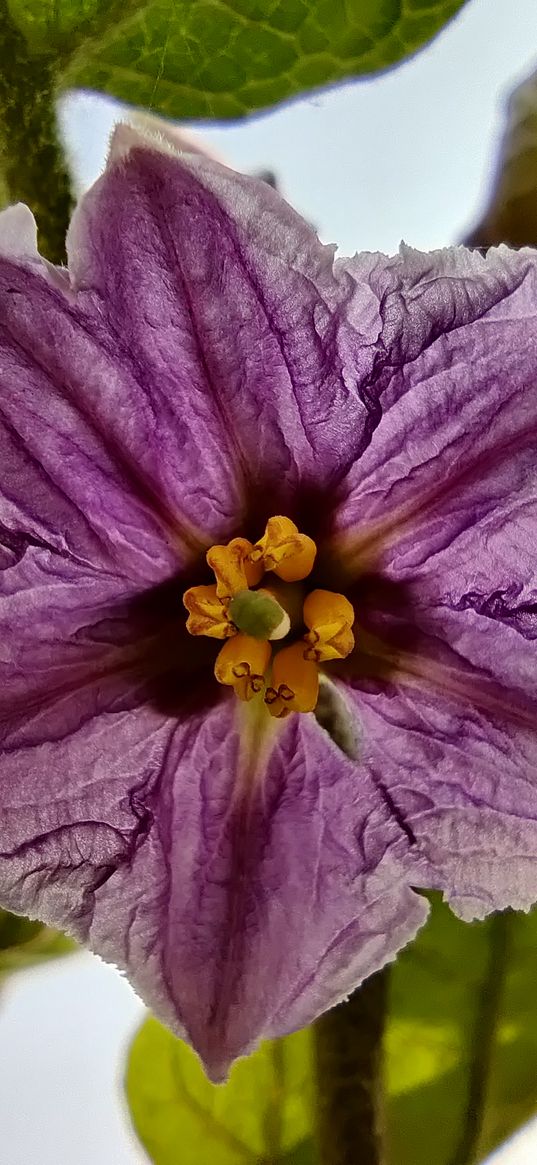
258, 613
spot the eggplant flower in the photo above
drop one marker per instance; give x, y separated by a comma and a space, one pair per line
332, 465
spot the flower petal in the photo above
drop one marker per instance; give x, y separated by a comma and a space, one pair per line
455, 749
73, 757
242, 897
444, 505
69, 482
448, 482
229, 308
263, 894
18, 233
246, 891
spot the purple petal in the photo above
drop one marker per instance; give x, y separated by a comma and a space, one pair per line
461, 780
208, 345
261, 895
444, 505
444, 501
242, 897
76, 743
68, 482
234, 322
451, 461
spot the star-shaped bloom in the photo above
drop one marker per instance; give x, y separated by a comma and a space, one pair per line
332, 465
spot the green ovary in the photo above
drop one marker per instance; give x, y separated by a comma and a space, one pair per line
258, 613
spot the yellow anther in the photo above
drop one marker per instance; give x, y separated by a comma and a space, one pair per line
295, 683
242, 663
250, 618
207, 613
329, 617
233, 569
284, 550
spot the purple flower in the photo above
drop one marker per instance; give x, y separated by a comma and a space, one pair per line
205, 367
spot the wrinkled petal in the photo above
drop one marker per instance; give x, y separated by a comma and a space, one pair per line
452, 462
18, 233
77, 743
443, 505
257, 386
51, 611
270, 388
262, 894
243, 891
249, 876
178, 136
242, 896
67, 482
461, 781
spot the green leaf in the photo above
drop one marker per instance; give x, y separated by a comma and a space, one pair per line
462, 1038
511, 216
224, 58
4, 194
460, 1051
24, 943
263, 1113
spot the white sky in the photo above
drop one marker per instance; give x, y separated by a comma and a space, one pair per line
407, 155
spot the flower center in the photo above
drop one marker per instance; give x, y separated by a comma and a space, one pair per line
259, 613
317, 626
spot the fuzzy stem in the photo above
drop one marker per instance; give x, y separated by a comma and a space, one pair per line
483, 1037
348, 1054
31, 160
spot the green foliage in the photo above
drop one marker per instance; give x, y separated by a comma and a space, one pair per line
223, 58
462, 1038
24, 943
511, 216
262, 1114
461, 1050
180, 58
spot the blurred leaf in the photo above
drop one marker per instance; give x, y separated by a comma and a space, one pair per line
263, 1113
211, 59
4, 193
511, 216
24, 943
461, 1056
462, 1038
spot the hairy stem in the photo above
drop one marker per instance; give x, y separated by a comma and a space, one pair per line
348, 1054
32, 166
483, 1037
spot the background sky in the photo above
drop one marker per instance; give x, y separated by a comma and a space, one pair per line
407, 155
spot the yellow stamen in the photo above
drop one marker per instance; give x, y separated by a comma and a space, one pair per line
242, 663
295, 683
233, 568
250, 617
329, 617
284, 550
207, 613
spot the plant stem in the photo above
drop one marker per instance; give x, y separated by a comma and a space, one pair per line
348, 1054
32, 166
483, 1037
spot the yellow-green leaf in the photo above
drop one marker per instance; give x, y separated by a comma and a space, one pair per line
262, 1114
224, 58
462, 1038
24, 943
460, 1056
511, 215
